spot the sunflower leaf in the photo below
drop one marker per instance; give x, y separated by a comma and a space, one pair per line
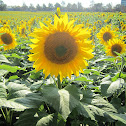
63, 100
45, 120
3, 93
119, 117
27, 118
3, 59
32, 118
83, 79
115, 86
10, 68
94, 106
12, 104
2, 72
19, 97
13, 55
13, 77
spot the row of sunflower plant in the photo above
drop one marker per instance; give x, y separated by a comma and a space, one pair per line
62, 69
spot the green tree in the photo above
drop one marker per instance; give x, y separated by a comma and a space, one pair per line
98, 7
2, 6
80, 7
57, 5
44, 8
31, 7
38, 7
109, 7
50, 7
118, 7
74, 7
69, 7
24, 7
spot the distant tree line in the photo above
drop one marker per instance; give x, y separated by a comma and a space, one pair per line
95, 7
2, 6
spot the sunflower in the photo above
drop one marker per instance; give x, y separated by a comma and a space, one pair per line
115, 45
58, 12
7, 38
123, 38
123, 28
105, 35
22, 31
7, 26
121, 23
60, 49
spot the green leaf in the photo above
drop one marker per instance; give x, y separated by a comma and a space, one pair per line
44, 121
109, 59
114, 86
8, 103
95, 72
104, 87
12, 104
94, 106
2, 72
17, 90
10, 68
119, 117
83, 79
3, 59
108, 87
3, 93
27, 118
105, 59
13, 55
84, 110
63, 100
32, 118
36, 85
19, 97
13, 77
31, 100
22, 95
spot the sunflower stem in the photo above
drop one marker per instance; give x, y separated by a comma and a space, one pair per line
59, 82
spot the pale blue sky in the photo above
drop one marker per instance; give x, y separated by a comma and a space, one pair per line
85, 3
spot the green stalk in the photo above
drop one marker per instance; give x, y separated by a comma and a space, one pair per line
7, 116
3, 114
122, 64
59, 82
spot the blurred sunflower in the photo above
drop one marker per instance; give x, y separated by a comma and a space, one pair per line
7, 38
58, 12
7, 26
61, 49
121, 23
22, 31
123, 38
116, 29
105, 35
123, 28
94, 28
120, 13
115, 45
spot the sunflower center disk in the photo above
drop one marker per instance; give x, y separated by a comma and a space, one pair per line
116, 48
6, 38
60, 51
107, 36
23, 30
60, 48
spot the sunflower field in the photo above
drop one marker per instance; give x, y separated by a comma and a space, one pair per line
62, 69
